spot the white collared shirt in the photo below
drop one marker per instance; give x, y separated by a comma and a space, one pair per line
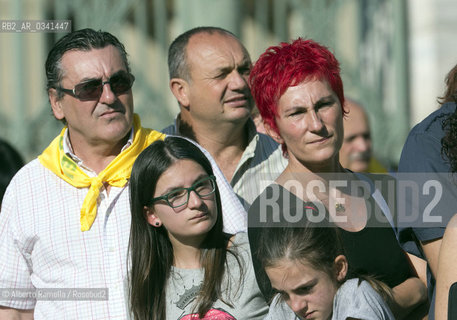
68, 149
42, 246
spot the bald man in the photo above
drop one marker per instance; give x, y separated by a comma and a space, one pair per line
209, 70
356, 151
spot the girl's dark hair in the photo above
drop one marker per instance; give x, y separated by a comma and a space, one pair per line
150, 248
318, 246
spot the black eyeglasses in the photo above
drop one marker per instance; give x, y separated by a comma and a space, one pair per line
180, 196
92, 89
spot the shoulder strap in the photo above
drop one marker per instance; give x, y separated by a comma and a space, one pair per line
378, 197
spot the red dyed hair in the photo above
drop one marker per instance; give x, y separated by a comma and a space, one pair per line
287, 65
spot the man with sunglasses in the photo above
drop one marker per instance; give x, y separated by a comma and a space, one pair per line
65, 219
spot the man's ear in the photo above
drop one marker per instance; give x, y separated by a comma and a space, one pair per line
272, 133
151, 218
341, 267
56, 104
180, 89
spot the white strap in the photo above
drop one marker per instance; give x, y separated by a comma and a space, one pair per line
377, 196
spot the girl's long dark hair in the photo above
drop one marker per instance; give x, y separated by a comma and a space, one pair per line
150, 248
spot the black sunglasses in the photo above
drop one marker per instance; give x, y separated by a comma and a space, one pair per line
92, 89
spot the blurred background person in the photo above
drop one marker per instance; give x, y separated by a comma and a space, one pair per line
356, 153
257, 118
10, 163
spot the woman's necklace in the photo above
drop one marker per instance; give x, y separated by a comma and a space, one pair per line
334, 199
340, 208
347, 211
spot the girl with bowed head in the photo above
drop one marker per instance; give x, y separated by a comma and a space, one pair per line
182, 264
299, 93
308, 269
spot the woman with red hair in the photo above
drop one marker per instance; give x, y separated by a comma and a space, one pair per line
299, 93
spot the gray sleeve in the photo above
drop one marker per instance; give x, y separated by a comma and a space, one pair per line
359, 302
280, 310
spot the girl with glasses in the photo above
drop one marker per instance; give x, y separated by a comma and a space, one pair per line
182, 264
312, 279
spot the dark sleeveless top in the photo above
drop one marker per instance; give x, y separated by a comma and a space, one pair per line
373, 251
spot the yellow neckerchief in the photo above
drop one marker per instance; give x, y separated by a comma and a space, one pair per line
115, 174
